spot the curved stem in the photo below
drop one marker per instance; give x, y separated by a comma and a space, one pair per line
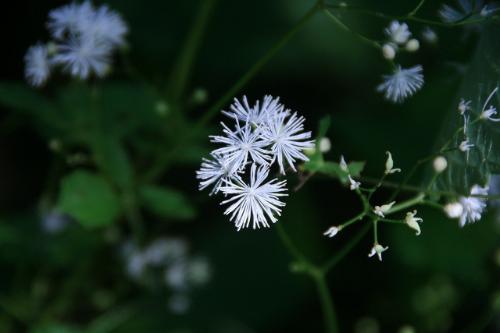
329, 313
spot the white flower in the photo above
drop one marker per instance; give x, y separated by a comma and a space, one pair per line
413, 222
388, 51
429, 35
199, 271
389, 165
463, 106
105, 25
413, 45
382, 210
256, 115
212, 172
343, 164
241, 144
354, 185
165, 250
332, 231
377, 249
325, 145
255, 202
465, 146
453, 210
473, 206
398, 32
440, 164
37, 65
287, 139
466, 8
82, 57
402, 84
176, 276
491, 111
69, 19
53, 222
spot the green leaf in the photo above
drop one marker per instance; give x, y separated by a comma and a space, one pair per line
88, 198
324, 125
166, 202
112, 158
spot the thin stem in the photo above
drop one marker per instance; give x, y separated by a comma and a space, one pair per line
375, 231
329, 314
408, 203
183, 67
356, 218
344, 27
256, 67
332, 262
303, 181
416, 9
292, 249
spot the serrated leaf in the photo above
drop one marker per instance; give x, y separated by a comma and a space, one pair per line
166, 202
89, 199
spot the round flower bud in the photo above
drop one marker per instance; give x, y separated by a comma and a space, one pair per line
429, 36
388, 51
161, 108
454, 210
412, 45
325, 145
439, 164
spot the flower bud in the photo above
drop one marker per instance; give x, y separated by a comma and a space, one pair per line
325, 145
413, 222
343, 164
453, 210
429, 35
377, 249
332, 231
388, 51
413, 45
389, 164
381, 210
440, 163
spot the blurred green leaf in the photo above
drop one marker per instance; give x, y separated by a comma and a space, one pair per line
324, 125
89, 199
55, 328
166, 202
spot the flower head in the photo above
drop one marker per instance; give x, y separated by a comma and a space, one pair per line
382, 210
69, 19
413, 222
37, 65
377, 249
259, 113
402, 84
473, 206
213, 172
332, 231
398, 32
429, 35
287, 139
256, 202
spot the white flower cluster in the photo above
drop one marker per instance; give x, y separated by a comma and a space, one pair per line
468, 209
263, 134
403, 82
465, 9
170, 257
84, 39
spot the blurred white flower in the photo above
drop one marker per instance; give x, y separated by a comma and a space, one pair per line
106, 26
439, 164
398, 32
199, 271
453, 210
465, 146
413, 45
464, 106
240, 145
377, 249
473, 206
413, 222
465, 9
54, 222
488, 113
176, 276
388, 51
429, 35
165, 250
354, 185
255, 202
37, 65
402, 84
382, 210
287, 139
69, 19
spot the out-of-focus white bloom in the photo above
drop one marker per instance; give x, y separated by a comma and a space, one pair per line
382, 210
179, 303
488, 113
258, 114
105, 25
343, 164
453, 210
199, 271
54, 222
255, 202
69, 19
413, 222
440, 164
473, 206
325, 145
332, 231
213, 172
401, 84
489, 9
82, 57
389, 165
354, 185
398, 32
429, 35
136, 265
377, 249
165, 250
465, 146
287, 139
463, 106
466, 8
413, 45
176, 276
37, 65
241, 144
388, 51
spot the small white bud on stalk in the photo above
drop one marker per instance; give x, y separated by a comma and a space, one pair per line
343, 164
325, 145
388, 51
440, 164
382, 210
332, 231
413, 222
413, 45
389, 164
454, 210
377, 249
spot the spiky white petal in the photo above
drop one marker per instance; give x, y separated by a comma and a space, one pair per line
473, 206
259, 113
287, 139
37, 65
212, 172
401, 84
255, 203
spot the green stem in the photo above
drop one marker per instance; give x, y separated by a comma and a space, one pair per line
418, 199
416, 9
327, 306
256, 67
292, 249
183, 67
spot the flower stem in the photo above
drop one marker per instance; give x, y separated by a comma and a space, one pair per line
329, 313
418, 199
